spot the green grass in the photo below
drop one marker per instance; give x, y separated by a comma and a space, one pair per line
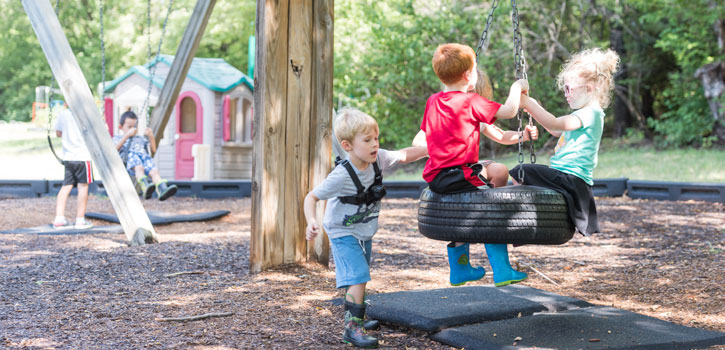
31, 144
636, 163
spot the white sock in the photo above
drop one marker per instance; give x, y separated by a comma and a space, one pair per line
59, 218
81, 219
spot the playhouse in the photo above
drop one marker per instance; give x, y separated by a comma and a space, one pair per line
213, 111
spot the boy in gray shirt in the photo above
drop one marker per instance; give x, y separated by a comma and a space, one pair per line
354, 189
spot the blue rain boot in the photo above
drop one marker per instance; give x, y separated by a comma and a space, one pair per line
503, 274
461, 270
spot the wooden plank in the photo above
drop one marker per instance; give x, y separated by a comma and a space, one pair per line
72, 82
321, 117
269, 130
299, 75
182, 61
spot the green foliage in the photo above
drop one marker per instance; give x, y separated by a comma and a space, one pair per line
24, 65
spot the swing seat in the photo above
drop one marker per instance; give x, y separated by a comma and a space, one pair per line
513, 214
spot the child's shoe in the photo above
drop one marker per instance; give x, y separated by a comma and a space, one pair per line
503, 274
60, 222
461, 270
164, 191
354, 332
147, 187
82, 224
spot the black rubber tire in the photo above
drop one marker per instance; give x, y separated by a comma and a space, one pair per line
513, 214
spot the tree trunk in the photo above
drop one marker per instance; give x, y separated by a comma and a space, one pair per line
622, 117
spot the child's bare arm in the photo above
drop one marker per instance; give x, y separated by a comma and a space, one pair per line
310, 207
419, 139
513, 101
411, 154
548, 120
510, 137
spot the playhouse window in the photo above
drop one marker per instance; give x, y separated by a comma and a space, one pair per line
239, 120
188, 115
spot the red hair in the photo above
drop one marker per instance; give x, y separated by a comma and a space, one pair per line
450, 61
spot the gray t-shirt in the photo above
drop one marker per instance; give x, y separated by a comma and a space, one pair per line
341, 219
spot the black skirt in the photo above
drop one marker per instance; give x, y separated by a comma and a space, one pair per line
577, 193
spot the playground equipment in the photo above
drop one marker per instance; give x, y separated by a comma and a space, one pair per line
517, 215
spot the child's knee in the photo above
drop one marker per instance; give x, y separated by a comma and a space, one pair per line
498, 174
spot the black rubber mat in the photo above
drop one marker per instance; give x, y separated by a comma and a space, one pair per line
433, 310
70, 230
596, 327
163, 218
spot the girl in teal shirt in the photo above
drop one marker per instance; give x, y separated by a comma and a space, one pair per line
587, 80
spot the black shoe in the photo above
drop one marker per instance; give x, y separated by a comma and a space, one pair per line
354, 332
147, 187
164, 190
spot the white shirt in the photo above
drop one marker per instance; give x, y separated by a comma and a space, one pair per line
74, 148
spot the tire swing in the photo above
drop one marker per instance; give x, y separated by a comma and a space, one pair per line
513, 214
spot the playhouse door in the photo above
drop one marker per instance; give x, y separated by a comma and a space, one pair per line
189, 127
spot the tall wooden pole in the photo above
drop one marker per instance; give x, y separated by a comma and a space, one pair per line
182, 61
292, 112
67, 72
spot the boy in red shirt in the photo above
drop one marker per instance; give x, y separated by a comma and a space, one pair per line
451, 125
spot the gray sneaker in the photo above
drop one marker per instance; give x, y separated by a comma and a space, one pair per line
82, 224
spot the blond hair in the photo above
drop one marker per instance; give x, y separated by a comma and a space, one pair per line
483, 85
595, 67
351, 122
450, 61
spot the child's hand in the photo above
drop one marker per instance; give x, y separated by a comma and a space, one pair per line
312, 230
131, 132
523, 84
148, 132
531, 132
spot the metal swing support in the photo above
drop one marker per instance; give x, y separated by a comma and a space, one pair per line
519, 68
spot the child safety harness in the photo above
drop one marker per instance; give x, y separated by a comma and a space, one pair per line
373, 194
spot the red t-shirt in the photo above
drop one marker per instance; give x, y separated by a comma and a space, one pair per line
451, 123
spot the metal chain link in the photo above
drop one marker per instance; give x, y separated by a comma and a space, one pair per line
50, 100
103, 61
520, 68
483, 42
152, 70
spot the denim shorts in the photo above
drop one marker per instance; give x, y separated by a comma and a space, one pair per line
352, 260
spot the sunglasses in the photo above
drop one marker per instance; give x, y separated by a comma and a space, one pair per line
569, 88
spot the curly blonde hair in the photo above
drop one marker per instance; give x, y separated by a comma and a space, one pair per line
595, 67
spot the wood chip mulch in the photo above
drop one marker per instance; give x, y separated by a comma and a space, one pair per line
657, 258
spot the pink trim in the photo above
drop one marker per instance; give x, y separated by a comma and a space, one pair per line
108, 108
199, 110
226, 131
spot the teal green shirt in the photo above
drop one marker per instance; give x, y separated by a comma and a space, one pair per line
576, 151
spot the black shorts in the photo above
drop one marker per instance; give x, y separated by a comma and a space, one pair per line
77, 172
578, 194
455, 179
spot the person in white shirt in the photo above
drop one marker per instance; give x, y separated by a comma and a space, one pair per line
78, 173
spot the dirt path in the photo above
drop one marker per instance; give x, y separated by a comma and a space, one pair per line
661, 259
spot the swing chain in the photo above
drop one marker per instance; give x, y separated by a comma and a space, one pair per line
520, 66
50, 100
103, 60
483, 43
152, 70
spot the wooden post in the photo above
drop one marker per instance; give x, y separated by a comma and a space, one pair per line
293, 107
73, 84
182, 61
321, 118
270, 108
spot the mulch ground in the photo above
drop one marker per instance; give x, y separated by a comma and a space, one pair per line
657, 258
